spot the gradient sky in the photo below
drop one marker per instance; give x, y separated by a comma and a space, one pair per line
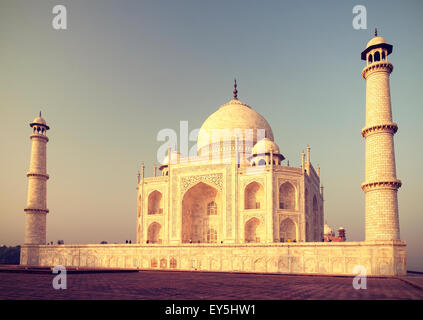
124, 70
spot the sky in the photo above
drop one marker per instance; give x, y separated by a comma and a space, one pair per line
124, 70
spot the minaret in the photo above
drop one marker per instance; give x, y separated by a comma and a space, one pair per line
381, 184
36, 209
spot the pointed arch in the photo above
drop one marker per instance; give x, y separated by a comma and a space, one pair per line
287, 196
377, 56
153, 235
155, 202
200, 207
254, 196
251, 230
316, 223
287, 230
315, 206
153, 263
306, 202
307, 216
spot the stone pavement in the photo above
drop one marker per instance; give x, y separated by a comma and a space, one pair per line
160, 285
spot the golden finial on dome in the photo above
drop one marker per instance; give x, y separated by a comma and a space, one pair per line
235, 90
375, 32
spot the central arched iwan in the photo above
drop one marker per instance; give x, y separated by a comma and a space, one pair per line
201, 206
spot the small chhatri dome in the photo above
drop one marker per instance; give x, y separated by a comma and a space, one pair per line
376, 42
175, 157
327, 229
265, 146
39, 121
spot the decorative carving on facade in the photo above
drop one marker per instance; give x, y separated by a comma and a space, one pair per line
248, 217
246, 182
214, 179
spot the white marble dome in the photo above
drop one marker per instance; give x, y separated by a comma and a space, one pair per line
237, 117
39, 121
265, 146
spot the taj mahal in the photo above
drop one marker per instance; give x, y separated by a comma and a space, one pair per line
238, 205
236, 190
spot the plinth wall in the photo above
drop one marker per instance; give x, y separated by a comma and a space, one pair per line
387, 258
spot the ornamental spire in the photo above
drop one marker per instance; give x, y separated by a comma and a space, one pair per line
235, 92
375, 32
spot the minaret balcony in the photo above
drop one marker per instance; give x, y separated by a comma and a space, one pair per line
34, 174
34, 210
383, 184
387, 127
377, 66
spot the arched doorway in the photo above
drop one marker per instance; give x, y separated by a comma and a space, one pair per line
287, 196
254, 196
172, 263
154, 233
316, 220
155, 203
287, 231
200, 212
307, 217
251, 230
